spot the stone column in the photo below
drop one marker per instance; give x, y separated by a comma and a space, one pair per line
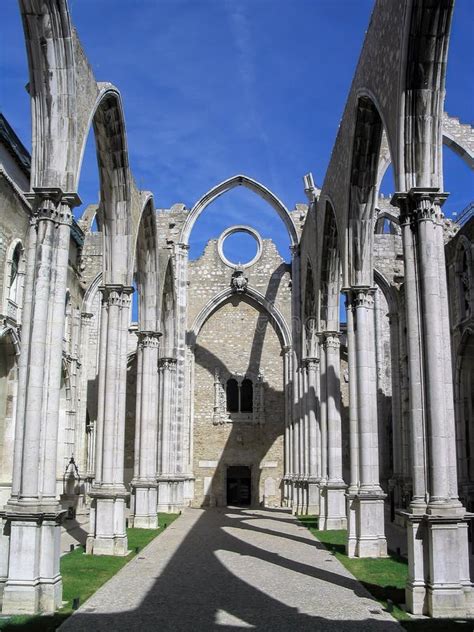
183, 472
304, 438
323, 408
287, 445
144, 483
335, 510
33, 515
167, 482
107, 534
314, 434
353, 489
438, 553
371, 540
81, 451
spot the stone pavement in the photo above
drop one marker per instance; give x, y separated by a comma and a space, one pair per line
228, 570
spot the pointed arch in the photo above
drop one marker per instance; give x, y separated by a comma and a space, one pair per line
363, 190
422, 94
168, 314
146, 267
114, 211
253, 296
228, 185
52, 87
330, 273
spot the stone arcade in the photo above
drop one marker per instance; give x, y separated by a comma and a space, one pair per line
238, 383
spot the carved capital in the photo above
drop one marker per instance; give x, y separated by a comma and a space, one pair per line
420, 205
167, 364
363, 296
87, 317
116, 295
311, 364
331, 340
52, 204
149, 339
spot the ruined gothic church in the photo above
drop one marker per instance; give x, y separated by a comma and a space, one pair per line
238, 384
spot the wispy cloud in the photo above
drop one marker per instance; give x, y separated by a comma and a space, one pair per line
244, 42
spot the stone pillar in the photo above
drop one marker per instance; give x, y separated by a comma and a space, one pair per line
304, 439
371, 540
288, 444
144, 483
314, 434
323, 408
167, 480
81, 439
107, 533
353, 489
183, 482
335, 509
33, 515
438, 582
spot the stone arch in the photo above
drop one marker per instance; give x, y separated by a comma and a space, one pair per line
87, 219
392, 218
330, 273
146, 268
464, 269
52, 88
13, 280
457, 143
114, 210
426, 46
9, 353
309, 312
168, 313
228, 185
363, 190
464, 402
253, 296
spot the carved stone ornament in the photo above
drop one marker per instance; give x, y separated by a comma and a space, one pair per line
239, 281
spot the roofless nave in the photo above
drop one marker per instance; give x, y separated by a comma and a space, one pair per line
238, 384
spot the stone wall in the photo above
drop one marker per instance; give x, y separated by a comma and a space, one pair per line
238, 339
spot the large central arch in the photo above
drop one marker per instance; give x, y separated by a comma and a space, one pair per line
255, 296
232, 183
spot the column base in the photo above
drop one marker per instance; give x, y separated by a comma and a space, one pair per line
313, 497
144, 501
351, 513
334, 517
188, 490
370, 525
170, 494
303, 506
107, 532
438, 558
33, 582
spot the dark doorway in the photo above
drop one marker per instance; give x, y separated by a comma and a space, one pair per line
238, 485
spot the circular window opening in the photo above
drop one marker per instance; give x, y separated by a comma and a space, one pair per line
240, 246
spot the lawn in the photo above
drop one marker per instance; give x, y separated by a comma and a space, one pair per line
385, 579
83, 575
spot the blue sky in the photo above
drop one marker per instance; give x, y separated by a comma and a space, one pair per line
212, 88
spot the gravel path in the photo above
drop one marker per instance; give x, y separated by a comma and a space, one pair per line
230, 570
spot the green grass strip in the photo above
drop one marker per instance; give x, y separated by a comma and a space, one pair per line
384, 578
83, 575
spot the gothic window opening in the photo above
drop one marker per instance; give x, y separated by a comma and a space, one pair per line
239, 398
246, 396
232, 393
15, 265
